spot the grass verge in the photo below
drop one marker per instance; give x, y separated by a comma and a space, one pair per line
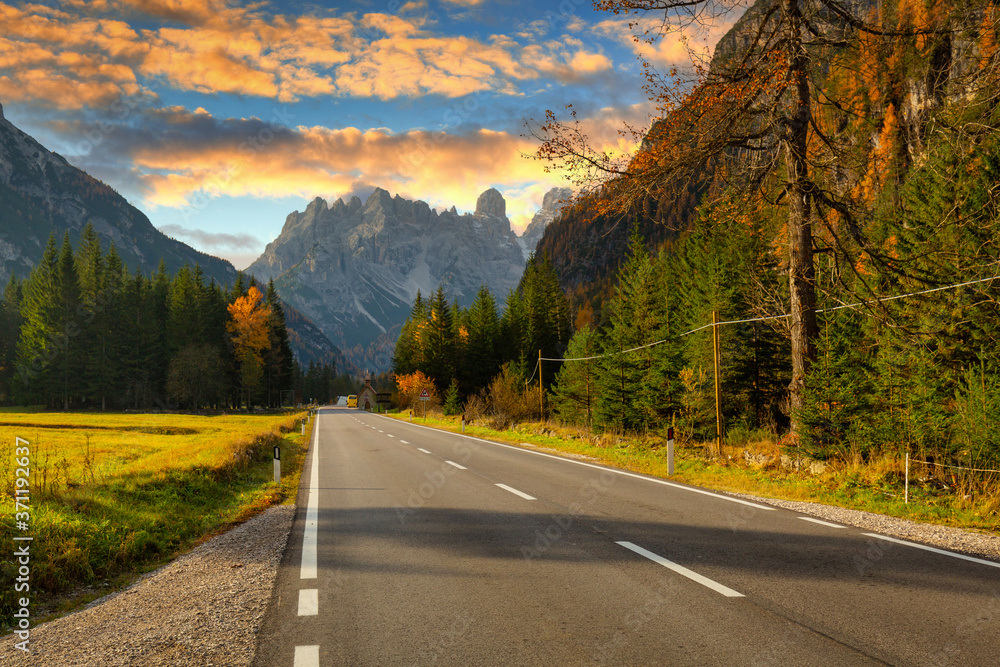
112, 496
755, 468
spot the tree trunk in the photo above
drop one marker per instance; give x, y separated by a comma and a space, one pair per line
801, 272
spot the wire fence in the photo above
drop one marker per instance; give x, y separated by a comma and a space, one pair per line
944, 465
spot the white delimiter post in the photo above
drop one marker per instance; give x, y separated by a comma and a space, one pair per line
906, 492
670, 450
277, 464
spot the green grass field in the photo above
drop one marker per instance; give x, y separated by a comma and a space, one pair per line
112, 495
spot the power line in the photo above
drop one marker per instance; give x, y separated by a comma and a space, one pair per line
779, 317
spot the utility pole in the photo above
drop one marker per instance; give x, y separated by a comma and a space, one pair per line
718, 385
541, 408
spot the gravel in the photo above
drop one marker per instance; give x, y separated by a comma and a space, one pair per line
205, 608
968, 542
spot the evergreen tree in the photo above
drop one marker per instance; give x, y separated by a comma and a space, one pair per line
635, 386
37, 346
439, 342
483, 348
278, 356
70, 361
10, 330
575, 390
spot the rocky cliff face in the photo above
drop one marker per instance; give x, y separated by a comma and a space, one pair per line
354, 268
552, 205
43, 194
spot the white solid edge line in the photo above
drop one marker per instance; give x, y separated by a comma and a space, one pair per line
311, 530
309, 602
683, 571
933, 550
597, 467
822, 523
307, 656
452, 463
516, 492
421, 449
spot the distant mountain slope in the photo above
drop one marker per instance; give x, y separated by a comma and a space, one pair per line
309, 344
354, 268
41, 194
587, 249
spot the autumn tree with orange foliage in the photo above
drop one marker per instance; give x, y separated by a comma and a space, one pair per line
248, 327
755, 116
409, 387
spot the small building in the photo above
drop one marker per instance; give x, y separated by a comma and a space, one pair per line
368, 397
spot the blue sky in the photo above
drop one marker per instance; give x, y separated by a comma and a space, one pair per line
219, 118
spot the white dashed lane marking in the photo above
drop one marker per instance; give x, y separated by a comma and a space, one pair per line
309, 602
516, 492
683, 571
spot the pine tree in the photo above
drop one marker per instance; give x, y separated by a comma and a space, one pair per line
575, 389
278, 358
439, 343
10, 330
484, 348
635, 386
70, 360
37, 346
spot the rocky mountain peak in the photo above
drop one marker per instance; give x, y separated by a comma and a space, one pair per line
491, 203
552, 204
380, 200
316, 206
1, 112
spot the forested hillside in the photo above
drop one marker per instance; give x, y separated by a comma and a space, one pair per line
83, 332
852, 218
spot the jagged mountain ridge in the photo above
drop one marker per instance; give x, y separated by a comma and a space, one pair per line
43, 194
354, 268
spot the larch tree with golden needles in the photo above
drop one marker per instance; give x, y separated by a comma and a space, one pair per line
757, 117
248, 327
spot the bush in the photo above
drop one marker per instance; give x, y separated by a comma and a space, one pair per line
503, 403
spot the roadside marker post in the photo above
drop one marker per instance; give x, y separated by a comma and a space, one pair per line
670, 450
277, 464
906, 492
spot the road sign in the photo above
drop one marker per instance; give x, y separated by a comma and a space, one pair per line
425, 395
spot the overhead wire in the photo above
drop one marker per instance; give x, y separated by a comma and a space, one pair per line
777, 317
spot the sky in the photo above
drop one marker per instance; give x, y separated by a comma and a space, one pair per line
218, 118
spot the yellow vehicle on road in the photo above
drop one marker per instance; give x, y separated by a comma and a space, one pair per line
352, 401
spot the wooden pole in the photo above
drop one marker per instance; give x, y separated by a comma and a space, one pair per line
541, 408
718, 384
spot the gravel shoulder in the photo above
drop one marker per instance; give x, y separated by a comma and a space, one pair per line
982, 545
205, 608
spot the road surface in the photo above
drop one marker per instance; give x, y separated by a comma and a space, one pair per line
417, 547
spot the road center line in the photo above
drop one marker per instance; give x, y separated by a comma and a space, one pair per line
683, 571
933, 550
309, 602
452, 463
421, 449
404, 442
597, 467
310, 532
516, 492
822, 523
307, 656
390, 435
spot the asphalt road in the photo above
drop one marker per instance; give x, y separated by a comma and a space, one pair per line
416, 547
